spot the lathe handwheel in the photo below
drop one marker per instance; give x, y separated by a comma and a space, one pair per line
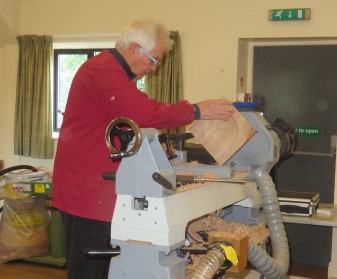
124, 137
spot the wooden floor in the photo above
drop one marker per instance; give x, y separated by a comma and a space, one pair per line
26, 270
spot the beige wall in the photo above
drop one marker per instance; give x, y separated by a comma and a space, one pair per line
9, 20
210, 32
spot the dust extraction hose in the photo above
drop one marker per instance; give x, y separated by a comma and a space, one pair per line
208, 265
275, 267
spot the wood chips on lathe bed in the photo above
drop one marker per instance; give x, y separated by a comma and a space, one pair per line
210, 223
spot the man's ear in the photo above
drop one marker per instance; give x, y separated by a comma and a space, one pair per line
133, 48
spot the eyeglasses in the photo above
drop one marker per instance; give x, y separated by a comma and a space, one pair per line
155, 61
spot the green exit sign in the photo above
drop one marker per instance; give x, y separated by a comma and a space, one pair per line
289, 14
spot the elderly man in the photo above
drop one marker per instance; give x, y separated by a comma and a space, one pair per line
103, 89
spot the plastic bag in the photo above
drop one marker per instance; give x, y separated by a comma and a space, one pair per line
24, 228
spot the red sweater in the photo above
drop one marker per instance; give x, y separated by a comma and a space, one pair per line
101, 91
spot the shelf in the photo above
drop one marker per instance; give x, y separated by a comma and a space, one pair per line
316, 219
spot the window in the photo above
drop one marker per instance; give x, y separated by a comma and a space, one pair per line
66, 64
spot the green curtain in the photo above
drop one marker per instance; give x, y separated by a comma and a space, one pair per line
33, 128
166, 84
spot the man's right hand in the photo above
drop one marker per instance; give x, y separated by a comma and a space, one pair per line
221, 109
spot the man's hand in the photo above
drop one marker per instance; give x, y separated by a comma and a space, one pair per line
221, 109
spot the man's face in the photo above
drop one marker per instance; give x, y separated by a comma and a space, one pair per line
147, 62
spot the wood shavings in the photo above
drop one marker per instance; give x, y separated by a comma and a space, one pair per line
240, 175
191, 186
257, 234
210, 175
24, 229
188, 164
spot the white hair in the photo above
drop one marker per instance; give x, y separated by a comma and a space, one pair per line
145, 32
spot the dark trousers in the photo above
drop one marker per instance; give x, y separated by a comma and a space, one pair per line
81, 233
